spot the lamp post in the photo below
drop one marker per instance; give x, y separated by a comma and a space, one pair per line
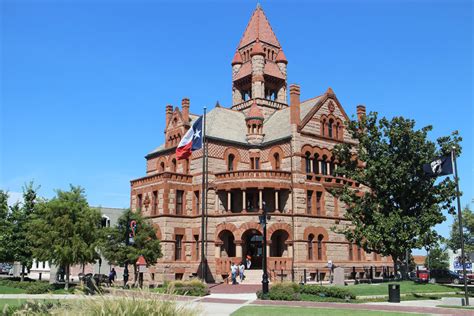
263, 222
127, 237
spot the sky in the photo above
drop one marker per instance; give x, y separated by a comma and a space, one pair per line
84, 84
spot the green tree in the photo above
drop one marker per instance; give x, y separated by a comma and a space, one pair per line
65, 230
396, 205
454, 240
5, 228
437, 258
145, 242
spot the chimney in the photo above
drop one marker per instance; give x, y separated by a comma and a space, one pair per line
169, 113
360, 112
185, 110
294, 104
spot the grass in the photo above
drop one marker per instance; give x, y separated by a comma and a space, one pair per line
454, 306
11, 290
406, 287
10, 302
305, 311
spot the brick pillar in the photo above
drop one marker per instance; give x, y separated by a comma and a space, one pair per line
185, 109
360, 111
294, 104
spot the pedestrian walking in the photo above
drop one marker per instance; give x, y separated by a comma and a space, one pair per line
241, 271
249, 262
112, 275
233, 271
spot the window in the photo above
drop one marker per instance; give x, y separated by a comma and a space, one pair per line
310, 246
308, 162
37, 264
178, 247
162, 166
173, 165
330, 123
323, 127
154, 206
316, 164
196, 201
276, 156
104, 221
309, 201
351, 254
255, 163
179, 202
139, 201
320, 247
196, 246
324, 166
319, 196
44, 264
332, 167
230, 163
337, 130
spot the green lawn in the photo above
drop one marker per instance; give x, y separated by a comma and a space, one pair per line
10, 302
405, 287
303, 311
11, 290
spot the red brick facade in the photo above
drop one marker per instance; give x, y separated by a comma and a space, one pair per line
263, 153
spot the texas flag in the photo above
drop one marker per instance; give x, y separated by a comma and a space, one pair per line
191, 141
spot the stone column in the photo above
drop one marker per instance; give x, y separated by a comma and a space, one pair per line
319, 166
268, 249
229, 201
218, 250
276, 200
328, 168
244, 201
290, 250
260, 200
238, 249
310, 165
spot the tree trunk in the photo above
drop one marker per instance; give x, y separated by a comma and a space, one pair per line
22, 274
395, 266
66, 285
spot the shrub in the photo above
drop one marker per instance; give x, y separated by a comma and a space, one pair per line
38, 288
104, 306
282, 292
191, 288
326, 291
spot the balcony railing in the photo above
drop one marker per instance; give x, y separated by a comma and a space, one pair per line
164, 176
265, 102
331, 180
254, 174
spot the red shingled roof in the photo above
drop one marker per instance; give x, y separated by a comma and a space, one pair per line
237, 58
255, 111
257, 49
260, 28
281, 58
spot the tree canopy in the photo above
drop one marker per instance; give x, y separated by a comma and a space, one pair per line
396, 205
65, 230
454, 240
437, 258
145, 242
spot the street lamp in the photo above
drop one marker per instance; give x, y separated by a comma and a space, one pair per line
263, 222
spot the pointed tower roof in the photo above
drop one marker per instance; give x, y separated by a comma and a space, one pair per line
237, 58
259, 28
281, 58
255, 112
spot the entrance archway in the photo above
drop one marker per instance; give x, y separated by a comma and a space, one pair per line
279, 246
252, 245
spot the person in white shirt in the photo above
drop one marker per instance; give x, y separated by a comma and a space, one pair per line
233, 271
241, 271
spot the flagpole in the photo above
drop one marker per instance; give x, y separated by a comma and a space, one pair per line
203, 197
461, 235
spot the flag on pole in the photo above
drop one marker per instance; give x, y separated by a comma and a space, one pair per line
439, 167
191, 141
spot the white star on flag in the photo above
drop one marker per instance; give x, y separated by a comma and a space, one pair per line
197, 134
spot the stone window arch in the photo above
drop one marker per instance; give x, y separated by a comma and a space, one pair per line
276, 159
310, 246
320, 247
232, 158
307, 162
321, 239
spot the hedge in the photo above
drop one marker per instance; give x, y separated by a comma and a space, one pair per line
291, 292
191, 288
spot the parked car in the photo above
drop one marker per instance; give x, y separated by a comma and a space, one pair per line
422, 276
445, 276
5, 268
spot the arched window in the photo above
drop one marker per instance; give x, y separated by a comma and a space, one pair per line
324, 166
173, 165
330, 123
308, 162
230, 162
323, 127
320, 247
276, 156
337, 130
316, 164
332, 167
162, 166
310, 246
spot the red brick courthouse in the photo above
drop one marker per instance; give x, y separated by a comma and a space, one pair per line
265, 151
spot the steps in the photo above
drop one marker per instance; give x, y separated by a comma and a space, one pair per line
252, 277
